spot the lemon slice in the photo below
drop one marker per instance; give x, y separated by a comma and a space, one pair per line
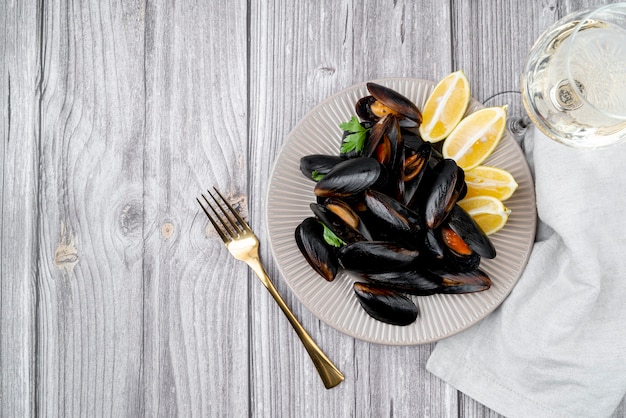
475, 137
445, 107
487, 211
490, 181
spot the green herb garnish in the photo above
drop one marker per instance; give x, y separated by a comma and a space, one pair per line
356, 139
331, 238
317, 176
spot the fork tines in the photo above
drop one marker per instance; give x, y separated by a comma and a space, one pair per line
232, 224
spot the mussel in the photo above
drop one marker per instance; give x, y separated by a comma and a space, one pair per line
316, 166
348, 178
466, 228
398, 104
320, 255
467, 282
344, 230
394, 220
413, 281
446, 186
375, 256
385, 305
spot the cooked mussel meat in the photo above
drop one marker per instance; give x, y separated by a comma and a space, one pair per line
468, 230
415, 165
319, 254
347, 213
388, 98
385, 305
337, 224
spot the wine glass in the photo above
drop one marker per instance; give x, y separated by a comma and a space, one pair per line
574, 83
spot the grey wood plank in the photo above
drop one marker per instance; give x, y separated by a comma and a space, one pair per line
19, 139
196, 302
91, 208
316, 49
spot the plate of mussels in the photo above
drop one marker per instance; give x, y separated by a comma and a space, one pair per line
389, 277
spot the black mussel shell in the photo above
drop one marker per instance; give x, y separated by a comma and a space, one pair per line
364, 110
390, 154
320, 255
346, 212
412, 139
415, 165
348, 178
391, 216
396, 102
433, 246
462, 223
375, 256
385, 305
336, 224
446, 186
377, 134
318, 165
413, 282
468, 282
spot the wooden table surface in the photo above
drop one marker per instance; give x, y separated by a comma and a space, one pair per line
117, 298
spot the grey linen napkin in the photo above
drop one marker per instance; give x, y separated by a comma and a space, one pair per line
557, 345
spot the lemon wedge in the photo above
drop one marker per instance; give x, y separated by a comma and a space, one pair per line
490, 181
445, 107
487, 211
475, 137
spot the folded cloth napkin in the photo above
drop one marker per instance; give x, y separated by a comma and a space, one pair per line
557, 345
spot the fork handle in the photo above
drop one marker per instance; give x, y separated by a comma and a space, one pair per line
330, 374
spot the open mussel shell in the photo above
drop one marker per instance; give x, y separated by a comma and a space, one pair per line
318, 165
363, 108
447, 183
337, 224
414, 167
413, 282
390, 155
385, 305
394, 220
346, 212
348, 178
467, 282
321, 256
462, 223
375, 256
377, 134
395, 101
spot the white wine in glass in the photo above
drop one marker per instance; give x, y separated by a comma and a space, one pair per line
574, 84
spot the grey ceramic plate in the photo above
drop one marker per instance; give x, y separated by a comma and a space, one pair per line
289, 194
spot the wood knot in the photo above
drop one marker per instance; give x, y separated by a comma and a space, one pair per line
167, 230
66, 254
131, 217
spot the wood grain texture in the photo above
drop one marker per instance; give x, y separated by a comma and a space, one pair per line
196, 311
116, 296
19, 141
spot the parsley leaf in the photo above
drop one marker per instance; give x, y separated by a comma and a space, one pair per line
331, 238
317, 176
356, 139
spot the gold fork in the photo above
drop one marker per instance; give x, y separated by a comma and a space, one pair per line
244, 246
